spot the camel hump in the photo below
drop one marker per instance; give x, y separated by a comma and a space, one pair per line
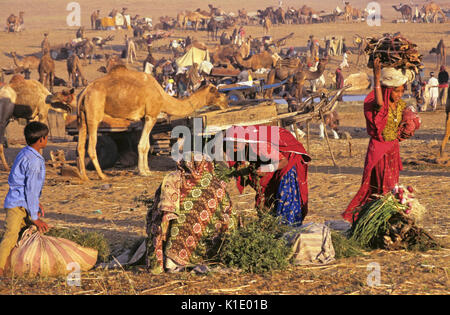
17, 79
117, 68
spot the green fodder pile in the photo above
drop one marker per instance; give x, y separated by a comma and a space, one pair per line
382, 223
345, 247
257, 247
86, 239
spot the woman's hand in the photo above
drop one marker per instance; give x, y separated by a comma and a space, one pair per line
377, 70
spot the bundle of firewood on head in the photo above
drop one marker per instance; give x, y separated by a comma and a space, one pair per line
394, 51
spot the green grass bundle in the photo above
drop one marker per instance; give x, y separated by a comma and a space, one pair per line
344, 247
86, 239
258, 247
372, 223
386, 223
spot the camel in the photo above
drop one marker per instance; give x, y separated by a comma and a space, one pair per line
212, 29
7, 100
280, 15
262, 60
74, 71
223, 55
350, 13
216, 11
405, 10
34, 100
27, 63
132, 95
284, 69
447, 127
434, 10
111, 62
86, 48
441, 54
11, 23
47, 70
243, 18
267, 25
29, 99
15, 23
303, 75
195, 18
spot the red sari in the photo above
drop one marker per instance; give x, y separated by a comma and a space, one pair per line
382, 165
272, 142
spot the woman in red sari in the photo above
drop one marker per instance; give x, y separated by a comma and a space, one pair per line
383, 110
282, 168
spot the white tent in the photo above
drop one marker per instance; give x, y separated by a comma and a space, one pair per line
194, 55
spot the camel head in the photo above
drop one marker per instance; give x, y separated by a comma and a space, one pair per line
65, 100
215, 97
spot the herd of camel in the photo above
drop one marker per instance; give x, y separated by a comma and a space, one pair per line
134, 95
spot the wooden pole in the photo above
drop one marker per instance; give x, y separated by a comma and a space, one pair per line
307, 136
326, 138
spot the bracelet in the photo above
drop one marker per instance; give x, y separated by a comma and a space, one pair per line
378, 87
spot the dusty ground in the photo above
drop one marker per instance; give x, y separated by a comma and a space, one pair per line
110, 206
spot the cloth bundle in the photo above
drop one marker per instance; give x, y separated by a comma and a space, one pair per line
39, 255
409, 124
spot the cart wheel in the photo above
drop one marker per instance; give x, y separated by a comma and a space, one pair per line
107, 153
235, 96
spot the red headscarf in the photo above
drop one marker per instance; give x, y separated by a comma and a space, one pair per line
271, 142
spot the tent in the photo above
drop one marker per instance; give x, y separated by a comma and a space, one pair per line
193, 55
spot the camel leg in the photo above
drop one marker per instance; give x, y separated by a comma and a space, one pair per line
92, 152
2, 156
144, 146
81, 146
446, 135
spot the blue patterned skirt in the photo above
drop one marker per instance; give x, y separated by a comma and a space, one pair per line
288, 201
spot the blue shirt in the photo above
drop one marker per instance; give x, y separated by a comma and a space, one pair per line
26, 180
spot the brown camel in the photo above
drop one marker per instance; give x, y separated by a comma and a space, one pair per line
74, 71
26, 63
262, 60
302, 76
47, 70
132, 95
223, 55
7, 100
29, 99
195, 18
405, 10
350, 13
267, 25
434, 10
34, 100
441, 54
284, 69
11, 23
447, 127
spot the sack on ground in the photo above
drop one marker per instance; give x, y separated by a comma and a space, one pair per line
39, 255
311, 244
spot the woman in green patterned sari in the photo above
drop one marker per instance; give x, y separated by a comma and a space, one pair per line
191, 214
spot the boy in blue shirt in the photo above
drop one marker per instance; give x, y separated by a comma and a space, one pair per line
25, 180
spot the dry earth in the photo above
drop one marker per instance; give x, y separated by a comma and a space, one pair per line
110, 206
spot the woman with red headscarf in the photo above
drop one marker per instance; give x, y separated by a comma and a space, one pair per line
281, 163
384, 110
